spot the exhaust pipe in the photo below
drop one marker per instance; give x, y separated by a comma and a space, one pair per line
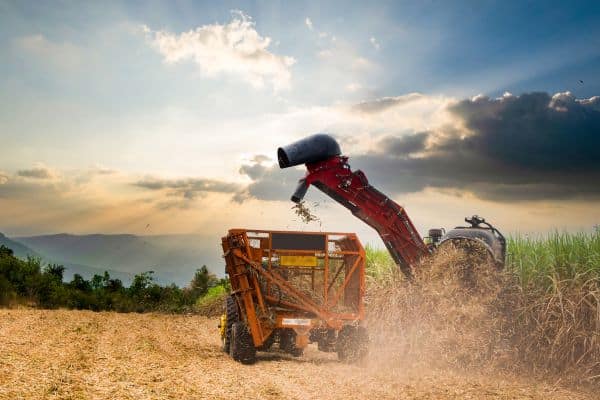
309, 150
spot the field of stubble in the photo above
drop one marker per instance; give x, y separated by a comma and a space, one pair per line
85, 355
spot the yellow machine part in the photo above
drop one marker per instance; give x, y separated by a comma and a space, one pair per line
299, 261
223, 325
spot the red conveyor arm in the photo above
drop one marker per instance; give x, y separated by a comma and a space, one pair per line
352, 189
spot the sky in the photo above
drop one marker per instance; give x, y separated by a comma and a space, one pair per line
165, 117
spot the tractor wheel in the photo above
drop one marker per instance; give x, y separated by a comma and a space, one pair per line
287, 342
242, 347
232, 316
352, 343
266, 346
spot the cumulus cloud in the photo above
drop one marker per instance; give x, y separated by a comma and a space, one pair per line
308, 23
30, 199
187, 189
383, 103
374, 42
533, 146
405, 145
269, 182
37, 172
234, 49
535, 130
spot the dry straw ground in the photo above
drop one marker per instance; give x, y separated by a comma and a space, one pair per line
85, 355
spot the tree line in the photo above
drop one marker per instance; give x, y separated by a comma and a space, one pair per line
28, 282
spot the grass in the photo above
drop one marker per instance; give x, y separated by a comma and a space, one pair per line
211, 304
541, 261
536, 261
379, 263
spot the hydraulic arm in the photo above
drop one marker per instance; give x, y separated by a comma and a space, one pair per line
329, 171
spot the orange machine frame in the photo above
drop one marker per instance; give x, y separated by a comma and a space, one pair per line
251, 263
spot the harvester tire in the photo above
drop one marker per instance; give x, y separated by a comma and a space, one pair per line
266, 346
232, 316
287, 342
242, 347
352, 344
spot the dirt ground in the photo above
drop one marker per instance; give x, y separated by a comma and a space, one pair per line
86, 355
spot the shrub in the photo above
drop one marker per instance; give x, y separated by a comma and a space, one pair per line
27, 281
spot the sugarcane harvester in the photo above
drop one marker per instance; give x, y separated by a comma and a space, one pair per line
290, 289
329, 171
293, 288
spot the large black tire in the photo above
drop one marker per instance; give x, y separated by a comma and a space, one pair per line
242, 347
326, 342
352, 344
233, 316
266, 346
287, 342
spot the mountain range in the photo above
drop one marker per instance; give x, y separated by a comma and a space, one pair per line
173, 258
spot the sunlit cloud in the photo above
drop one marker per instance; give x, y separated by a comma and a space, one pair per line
383, 103
308, 23
182, 192
353, 87
232, 49
375, 43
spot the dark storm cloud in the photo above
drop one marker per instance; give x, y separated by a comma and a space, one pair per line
384, 103
533, 146
405, 145
514, 148
533, 130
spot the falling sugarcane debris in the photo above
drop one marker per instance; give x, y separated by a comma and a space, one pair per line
302, 210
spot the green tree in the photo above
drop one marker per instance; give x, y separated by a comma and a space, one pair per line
141, 282
5, 251
79, 283
56, 271
97, 282
202, 281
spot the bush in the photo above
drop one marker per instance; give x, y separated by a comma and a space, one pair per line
211, 304
27, 281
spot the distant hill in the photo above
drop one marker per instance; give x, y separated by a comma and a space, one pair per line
19, 249
173, 258
22, 251
87, 272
